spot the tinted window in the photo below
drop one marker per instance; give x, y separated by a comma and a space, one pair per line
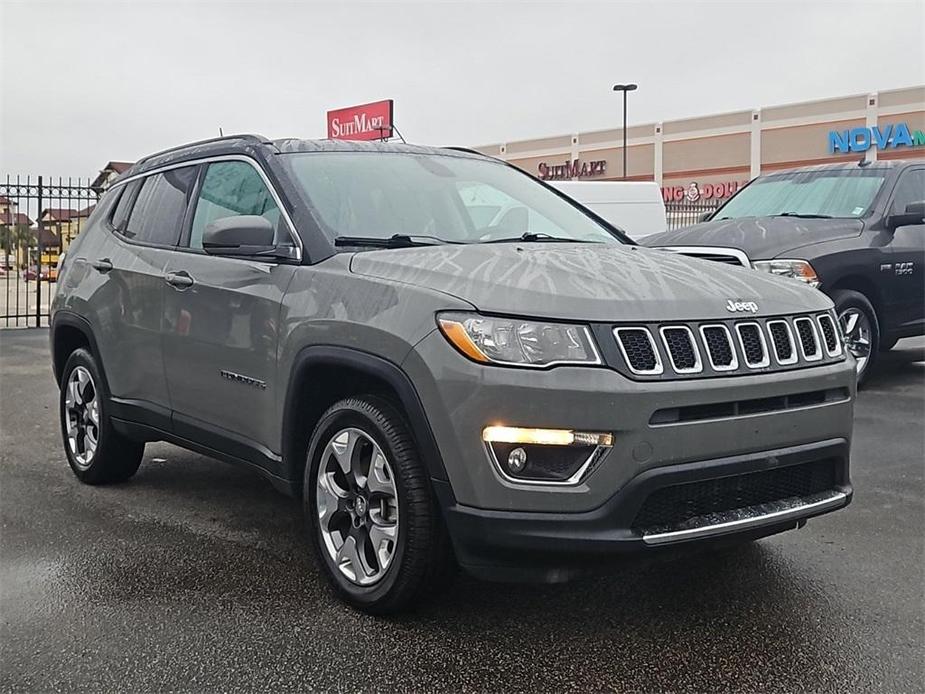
230, 189
124, 206
157, 216
911, 188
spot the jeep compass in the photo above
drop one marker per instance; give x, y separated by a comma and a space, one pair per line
525, 395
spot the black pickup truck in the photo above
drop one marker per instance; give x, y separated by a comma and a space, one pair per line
855, 231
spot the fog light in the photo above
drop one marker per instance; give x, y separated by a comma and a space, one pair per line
545, 456
545, 437
517, 460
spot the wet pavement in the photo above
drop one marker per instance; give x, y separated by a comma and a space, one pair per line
194, 577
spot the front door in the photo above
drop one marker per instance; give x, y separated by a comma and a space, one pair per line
907, 256
222, 323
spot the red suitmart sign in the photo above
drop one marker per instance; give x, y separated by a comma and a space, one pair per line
364, 122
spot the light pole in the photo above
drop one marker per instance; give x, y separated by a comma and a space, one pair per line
624, 88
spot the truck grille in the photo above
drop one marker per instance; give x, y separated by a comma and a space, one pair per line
727, 347
671, 507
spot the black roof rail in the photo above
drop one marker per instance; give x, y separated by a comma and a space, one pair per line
249, 137
469, 150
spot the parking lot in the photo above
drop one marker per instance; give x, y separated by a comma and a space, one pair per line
194, 577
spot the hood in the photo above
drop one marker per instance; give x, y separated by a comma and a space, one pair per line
761, 238
587, 282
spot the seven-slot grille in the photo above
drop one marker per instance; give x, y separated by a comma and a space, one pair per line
728, 346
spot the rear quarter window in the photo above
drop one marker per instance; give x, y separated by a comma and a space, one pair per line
160, 207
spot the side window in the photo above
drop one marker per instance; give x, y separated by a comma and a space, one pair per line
157, 215
124, 206
911, 188
230, 189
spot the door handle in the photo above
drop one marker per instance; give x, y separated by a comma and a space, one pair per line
179, 280
103, 265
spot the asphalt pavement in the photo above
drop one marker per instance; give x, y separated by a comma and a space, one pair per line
195, 577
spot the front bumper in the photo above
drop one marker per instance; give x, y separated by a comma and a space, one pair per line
509, 545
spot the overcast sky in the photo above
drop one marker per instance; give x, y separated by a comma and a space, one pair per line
88, 82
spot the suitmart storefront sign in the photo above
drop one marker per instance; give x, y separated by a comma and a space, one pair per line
889, 136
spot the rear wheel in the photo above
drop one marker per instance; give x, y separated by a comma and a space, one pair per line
96, 452
860, 328
371, 514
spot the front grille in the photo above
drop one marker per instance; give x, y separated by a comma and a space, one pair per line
717, 254
741, 408
809, 343
752, 343
829, 335
639, 350
782, 341
671, 507
682, 351
719, 346
727, 347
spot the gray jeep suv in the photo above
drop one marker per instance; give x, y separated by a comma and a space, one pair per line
525, 395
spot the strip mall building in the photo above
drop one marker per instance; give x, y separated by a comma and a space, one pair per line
708, 158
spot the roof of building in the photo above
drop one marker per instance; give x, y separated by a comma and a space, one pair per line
9, 217
58, 214
112, 167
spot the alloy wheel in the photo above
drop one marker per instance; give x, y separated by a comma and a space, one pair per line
357, 504
855, 327
82, 413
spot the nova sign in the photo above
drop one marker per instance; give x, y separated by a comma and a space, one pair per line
881, 137
365, 122
571, 169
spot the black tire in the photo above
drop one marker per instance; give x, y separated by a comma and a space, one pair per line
886, 344
116, 458
847, 300
422, 559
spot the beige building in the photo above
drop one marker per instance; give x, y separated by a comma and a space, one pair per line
709, 157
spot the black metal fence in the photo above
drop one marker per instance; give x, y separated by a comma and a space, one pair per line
39, 217
683, 213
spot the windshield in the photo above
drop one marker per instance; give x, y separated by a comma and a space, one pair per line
831, 193
441, 197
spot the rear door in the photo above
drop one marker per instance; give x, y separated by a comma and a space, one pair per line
907, 255
146, 226
222, 320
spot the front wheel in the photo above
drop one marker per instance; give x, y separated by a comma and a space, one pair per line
859, 327
371, 514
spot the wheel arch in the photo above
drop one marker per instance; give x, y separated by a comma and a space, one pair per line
862, 285
322, 375
68, 333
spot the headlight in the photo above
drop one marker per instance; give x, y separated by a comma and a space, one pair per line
515, 342
797, 269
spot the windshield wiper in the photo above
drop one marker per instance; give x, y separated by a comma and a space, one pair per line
394, 241
538, 236
803, 216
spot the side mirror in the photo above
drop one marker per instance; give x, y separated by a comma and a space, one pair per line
914, 214
242, 235
705, 217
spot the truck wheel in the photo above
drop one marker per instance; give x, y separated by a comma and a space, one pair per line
860, 328
96, 452
371, 514
887, 345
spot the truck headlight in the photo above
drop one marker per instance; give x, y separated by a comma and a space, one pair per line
516, 342
796, 269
